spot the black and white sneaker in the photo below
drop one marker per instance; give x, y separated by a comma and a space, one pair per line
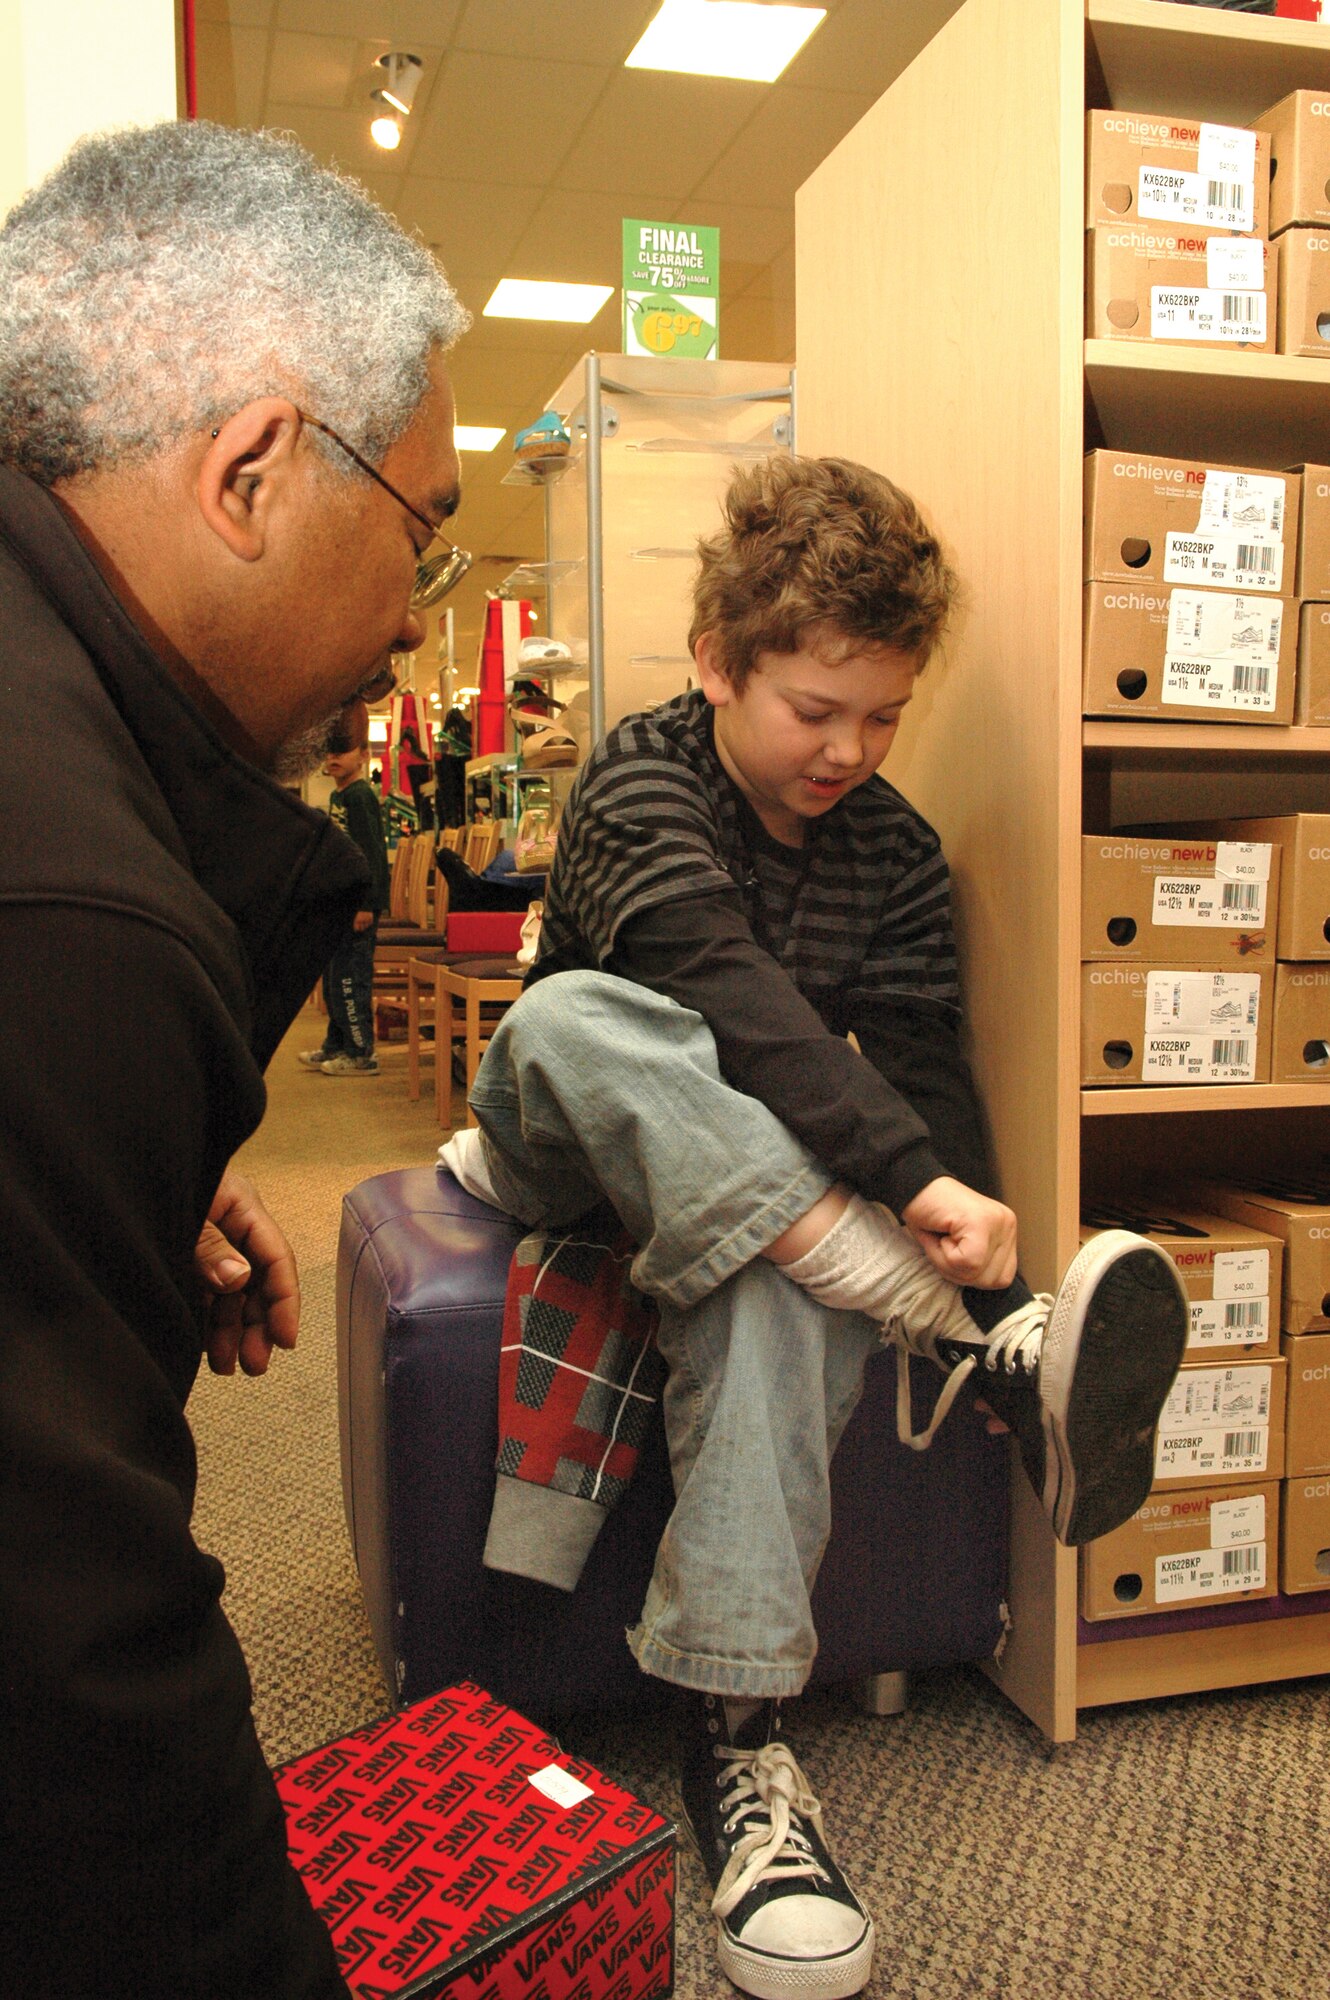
1080, 1378
787, 1921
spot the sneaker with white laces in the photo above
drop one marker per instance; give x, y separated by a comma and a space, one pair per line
351, 1066
315, 1058
787, 1921
1080, 1379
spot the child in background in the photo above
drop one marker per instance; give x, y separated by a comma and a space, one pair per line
348, 983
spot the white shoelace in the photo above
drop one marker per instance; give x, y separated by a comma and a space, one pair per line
765, 1782
1014, 1344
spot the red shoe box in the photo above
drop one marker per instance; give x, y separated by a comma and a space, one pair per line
454, 1849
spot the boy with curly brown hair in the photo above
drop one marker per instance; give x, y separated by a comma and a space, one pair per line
736, 891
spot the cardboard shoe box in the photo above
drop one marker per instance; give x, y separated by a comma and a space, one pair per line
1313, 570
1222, 1422
1230, 1274
1301, 1049
1150, 282
454, 1849
1304, 1536
1307, 1426
1303, 927
1299, 160
1187, 901
1304, 293
1165, 170
1311, 708
1182, 655
1175, 1024
1179, 520
1184, 1549
1298, 1213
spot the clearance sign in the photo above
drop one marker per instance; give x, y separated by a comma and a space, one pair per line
671, 289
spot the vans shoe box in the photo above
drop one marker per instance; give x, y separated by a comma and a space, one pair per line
1179, 520
1153, 168
454, 1849
1298, 1212
1303, 927
1230, 1274
1301, 1050
1185, 901
1149, 281
1222, 1422
1299, 160
1186, 655
1311, 704
1175, 1024
1307, 1423
1304, 293
1304, 1536
1188, 1548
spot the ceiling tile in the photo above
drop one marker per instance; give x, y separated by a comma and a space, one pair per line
506, 117
230, 64
239, 13
864, 46
408, 21
594, 31
790, 134
757, 330
484, 378
312, 69
579, 237
460, 217
774, 280
751, 234
340, 138
657, 131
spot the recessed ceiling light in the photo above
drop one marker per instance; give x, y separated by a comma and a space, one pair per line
475, 437
725, 38
534, 298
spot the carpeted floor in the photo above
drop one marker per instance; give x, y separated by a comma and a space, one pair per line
1176, 1851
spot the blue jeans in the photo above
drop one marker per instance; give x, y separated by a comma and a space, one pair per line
592, 1089
348, 992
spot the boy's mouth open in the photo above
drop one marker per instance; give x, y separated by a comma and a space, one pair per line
827, 788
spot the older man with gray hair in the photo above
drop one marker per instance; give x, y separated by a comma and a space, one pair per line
225, 454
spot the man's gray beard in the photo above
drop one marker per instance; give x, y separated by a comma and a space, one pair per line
304, 752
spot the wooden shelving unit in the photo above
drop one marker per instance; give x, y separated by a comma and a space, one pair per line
940, 284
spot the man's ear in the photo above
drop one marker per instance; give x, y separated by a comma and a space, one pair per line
245, 470
712, 678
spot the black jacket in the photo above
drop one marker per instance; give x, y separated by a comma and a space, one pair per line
164, 909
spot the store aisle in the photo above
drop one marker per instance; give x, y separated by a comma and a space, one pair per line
1176, 1851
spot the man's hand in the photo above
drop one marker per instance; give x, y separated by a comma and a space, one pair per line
969, 1238
248, 1272
363, 920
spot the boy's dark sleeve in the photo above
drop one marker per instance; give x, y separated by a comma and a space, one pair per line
364, 823
918, 1051
773, 1045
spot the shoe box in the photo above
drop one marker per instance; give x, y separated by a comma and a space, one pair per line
1166, 282
1179, 654
1304, 1540
1180, 520
1175, 1024
1188, 901
1204, 1545
1313, 534
1301, 1048
1311, 705
1298, 161
1222, 1421
1303, 290
1297, 1211
454, 1849
1160, 169
1230, 1273
1307, 1450
1303, 928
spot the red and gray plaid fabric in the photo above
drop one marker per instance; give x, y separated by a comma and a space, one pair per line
579, 1371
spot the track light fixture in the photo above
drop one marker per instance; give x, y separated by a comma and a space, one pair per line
395, 95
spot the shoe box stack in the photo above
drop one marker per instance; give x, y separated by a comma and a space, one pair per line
1178, 232
1240, 1508
1299, 219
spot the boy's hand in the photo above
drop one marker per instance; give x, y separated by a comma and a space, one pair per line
363, 920
970, 1239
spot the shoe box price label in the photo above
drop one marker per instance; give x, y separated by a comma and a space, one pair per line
1207, 902
1203, 312
1228, 1322
1200, 1027
1222, 648
1209, 1573
1215, 201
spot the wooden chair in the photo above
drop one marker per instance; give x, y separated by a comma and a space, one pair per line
453, 838
484, 839
424, 911
469, 996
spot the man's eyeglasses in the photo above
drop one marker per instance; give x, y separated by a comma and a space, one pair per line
438, 568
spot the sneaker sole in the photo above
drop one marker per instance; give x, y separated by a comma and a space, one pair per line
1115, 1339
767, 1978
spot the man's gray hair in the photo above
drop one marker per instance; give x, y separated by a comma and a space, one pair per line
161, 278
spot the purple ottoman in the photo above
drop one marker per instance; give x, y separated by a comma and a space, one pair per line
913, 1576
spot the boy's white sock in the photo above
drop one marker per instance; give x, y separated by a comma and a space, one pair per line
464, 1157
867, 1263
